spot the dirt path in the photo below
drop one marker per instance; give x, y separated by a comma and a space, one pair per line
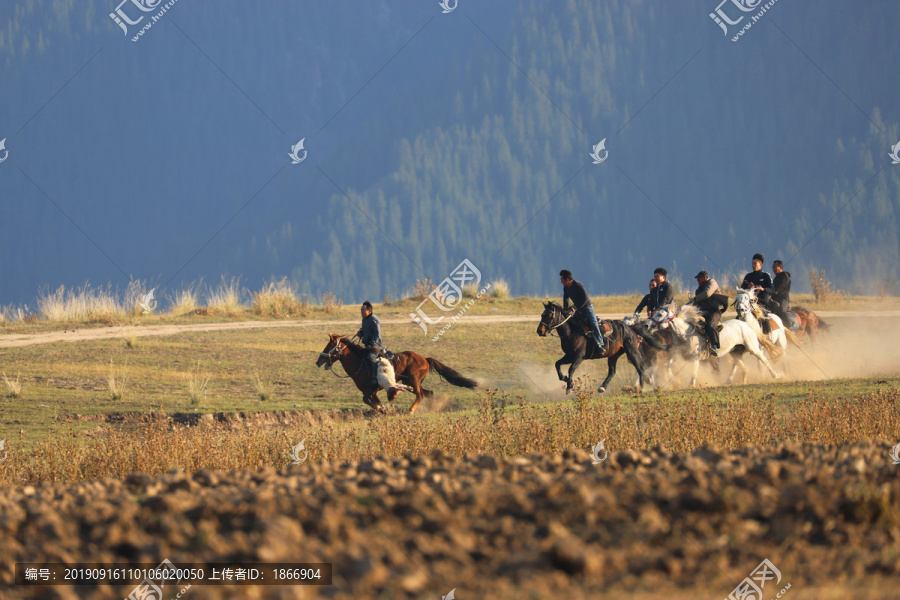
13, 340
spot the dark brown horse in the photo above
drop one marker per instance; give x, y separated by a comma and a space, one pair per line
620, 339
410, 368
809, 323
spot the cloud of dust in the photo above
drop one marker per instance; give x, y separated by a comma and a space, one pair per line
855, 346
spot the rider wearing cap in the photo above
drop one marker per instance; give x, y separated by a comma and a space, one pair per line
370, 336
711, 304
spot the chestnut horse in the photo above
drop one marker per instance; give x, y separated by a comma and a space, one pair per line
809, 323
620, 339
410, 368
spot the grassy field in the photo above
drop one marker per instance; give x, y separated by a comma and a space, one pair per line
251, 370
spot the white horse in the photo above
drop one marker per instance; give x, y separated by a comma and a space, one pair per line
749, 311
735, 338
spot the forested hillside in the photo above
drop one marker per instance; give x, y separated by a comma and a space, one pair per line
473, 142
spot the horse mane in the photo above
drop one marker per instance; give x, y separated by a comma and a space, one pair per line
354, 348
556, 306
690, 313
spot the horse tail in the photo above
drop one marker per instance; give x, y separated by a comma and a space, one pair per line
452, 377
774, 351
790, 336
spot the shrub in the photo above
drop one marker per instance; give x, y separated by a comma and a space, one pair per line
499, 289
823, 289
278, 299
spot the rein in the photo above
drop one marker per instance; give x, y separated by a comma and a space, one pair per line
551, 329
332, 357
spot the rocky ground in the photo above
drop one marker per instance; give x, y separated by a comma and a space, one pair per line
636, 525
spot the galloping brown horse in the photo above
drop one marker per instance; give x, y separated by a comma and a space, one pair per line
410, 368
809, 323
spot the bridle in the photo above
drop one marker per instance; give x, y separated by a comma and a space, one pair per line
751, 302
333, 355
552, 328
668, 318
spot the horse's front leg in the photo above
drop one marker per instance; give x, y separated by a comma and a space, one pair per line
572, 368
695, 369
372, 400
565, 360
611, 371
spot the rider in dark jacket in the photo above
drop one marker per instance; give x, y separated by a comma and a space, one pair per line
645, 301
581, 302
780, 301
370, 337
759, 280
662, 295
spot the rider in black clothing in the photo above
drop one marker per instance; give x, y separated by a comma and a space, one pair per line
780, 301
662, 295
645, 301
759, 280
582, 306
370, 336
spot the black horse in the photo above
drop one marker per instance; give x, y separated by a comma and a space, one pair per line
620, 339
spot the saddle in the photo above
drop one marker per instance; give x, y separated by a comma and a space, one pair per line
605, 328
768, 324
395, 360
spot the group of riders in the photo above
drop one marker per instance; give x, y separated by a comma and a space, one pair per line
772, 293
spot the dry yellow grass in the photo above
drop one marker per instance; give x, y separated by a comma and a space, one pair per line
501, 425
13, 387
116, 382
196, 386
279, 299
185, 300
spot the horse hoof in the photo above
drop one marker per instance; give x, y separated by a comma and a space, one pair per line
601, 389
